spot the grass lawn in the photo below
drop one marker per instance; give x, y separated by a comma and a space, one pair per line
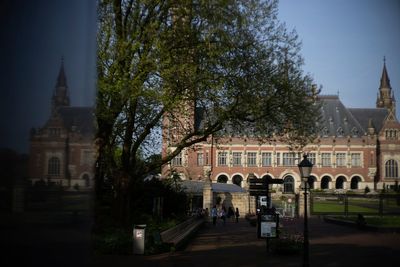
324, 207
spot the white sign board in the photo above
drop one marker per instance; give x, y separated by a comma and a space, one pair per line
268, 229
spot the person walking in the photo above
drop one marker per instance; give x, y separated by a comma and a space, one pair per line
223, 214
231, 213
214, 214
237, 214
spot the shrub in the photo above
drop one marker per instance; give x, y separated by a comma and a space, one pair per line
287, 244
367, 190
113, 241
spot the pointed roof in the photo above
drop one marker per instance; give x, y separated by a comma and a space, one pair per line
385, 81
62, 78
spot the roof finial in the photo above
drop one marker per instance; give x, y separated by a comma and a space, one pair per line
384, 59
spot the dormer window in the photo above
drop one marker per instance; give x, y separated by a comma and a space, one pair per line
354, 132
325, 132
340, 132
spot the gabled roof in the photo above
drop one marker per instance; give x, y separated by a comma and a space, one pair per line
79, 119
364, 115
336, 119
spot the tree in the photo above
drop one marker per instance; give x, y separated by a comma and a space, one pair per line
160, 62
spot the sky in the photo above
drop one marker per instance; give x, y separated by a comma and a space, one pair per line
343, 45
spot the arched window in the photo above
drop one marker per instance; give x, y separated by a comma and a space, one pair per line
53, 167
391, 169
237, 180
288, 184
325, 182
222, 179
340, 182
354, 182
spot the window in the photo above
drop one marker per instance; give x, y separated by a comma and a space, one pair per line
354, 132
341, 159
251, 158
340, 131
237, 180
311, 158
391, 134
278, 159
326, 159
222, 158
177, 161
200, 159
237, 158
54, 131
288, 159
356, 159
288, 185
266, 159
391, 169
54, 167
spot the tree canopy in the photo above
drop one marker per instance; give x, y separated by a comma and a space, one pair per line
230, 59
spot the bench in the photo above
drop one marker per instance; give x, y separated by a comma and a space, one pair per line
178, 235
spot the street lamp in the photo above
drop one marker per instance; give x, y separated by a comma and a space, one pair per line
305, 167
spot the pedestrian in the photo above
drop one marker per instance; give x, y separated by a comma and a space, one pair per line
214, 214
231, 213
237, 214
222, 214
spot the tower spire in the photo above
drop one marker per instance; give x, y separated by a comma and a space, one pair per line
385, 81
60, 96
61, 79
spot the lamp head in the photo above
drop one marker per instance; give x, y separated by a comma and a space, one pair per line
305, 167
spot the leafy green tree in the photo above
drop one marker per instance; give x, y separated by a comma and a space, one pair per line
158, 62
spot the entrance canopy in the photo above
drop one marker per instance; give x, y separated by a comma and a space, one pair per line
196, 187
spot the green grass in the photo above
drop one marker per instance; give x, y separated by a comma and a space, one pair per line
327, 207
324, 207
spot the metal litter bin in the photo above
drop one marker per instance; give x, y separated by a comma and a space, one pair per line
139, 232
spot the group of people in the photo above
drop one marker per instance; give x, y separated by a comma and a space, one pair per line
223, 214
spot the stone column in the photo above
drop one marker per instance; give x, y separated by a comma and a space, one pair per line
207, 193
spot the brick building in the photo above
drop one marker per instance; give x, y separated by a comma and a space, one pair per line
62, 151
356, 148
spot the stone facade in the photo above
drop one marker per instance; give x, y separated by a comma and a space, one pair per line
62, 152
356, 148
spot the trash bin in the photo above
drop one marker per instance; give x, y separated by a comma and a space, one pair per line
139, 232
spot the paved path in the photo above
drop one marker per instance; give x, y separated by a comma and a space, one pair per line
236, 245
36, 243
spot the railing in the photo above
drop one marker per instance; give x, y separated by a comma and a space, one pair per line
351, 204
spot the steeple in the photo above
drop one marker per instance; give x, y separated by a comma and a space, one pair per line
385, 97
385, 81
60, 96
61, 80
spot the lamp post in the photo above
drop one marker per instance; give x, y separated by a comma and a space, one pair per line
305, 167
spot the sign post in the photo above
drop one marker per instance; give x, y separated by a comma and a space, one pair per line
267, 218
